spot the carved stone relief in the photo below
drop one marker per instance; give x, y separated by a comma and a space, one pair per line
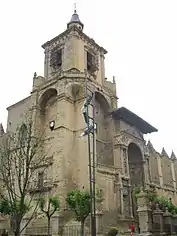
126, 139
73, 71
125, 160
132, 131
73, 34
121, 140
148, 170
126, 198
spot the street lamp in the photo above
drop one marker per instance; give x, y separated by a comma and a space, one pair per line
91, 127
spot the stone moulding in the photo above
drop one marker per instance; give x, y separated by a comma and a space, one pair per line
104, 169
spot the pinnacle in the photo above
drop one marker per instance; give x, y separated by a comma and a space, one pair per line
164, 153
149, 144
1, 129
173, 156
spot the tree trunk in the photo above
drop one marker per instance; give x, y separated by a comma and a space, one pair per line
17, 231
82, 228
48, 227
16, 225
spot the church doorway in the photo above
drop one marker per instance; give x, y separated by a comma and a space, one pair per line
135, 162
136, 171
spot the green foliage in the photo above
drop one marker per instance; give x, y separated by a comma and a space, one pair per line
50, 206
151, 196
163, 202
113, 231
5, 208
10, 208
136, 191
79, 202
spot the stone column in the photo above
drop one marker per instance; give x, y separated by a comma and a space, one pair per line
99, 212
46, 63
99, 223
158, 220
57, 223
174, 223
144, 214
160, 170
118, 190
130, 201
117, 155
121, 199
167, 222
124, 158
145, 169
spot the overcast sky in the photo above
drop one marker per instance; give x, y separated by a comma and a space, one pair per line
141, 39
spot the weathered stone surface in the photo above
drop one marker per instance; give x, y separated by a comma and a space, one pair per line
59, 97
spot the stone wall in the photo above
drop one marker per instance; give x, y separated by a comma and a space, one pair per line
163, 172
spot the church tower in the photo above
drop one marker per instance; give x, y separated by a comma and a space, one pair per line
57, 99
73, 49
123, 159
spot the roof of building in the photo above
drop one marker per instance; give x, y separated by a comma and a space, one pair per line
75, 19
133, 119
18, 103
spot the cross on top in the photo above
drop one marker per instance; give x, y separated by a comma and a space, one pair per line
75, 6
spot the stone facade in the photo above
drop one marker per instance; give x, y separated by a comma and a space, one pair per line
123, 157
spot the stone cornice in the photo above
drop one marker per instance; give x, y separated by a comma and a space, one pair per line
75, 76
165, 188
109, 170
54, 80
63, 35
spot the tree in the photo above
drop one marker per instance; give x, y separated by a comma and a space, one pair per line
113, 231
20, 156
49, 207
79, 203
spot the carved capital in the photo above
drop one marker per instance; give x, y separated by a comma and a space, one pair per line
121, 140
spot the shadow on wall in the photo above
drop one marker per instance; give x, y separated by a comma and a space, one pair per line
48, 109
104, 144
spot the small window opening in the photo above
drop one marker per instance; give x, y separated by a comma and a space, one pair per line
59, 58
90, 63
56, 59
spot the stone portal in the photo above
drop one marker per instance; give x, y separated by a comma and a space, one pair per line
136, 170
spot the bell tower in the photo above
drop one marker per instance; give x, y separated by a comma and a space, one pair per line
71, 59
73, 49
